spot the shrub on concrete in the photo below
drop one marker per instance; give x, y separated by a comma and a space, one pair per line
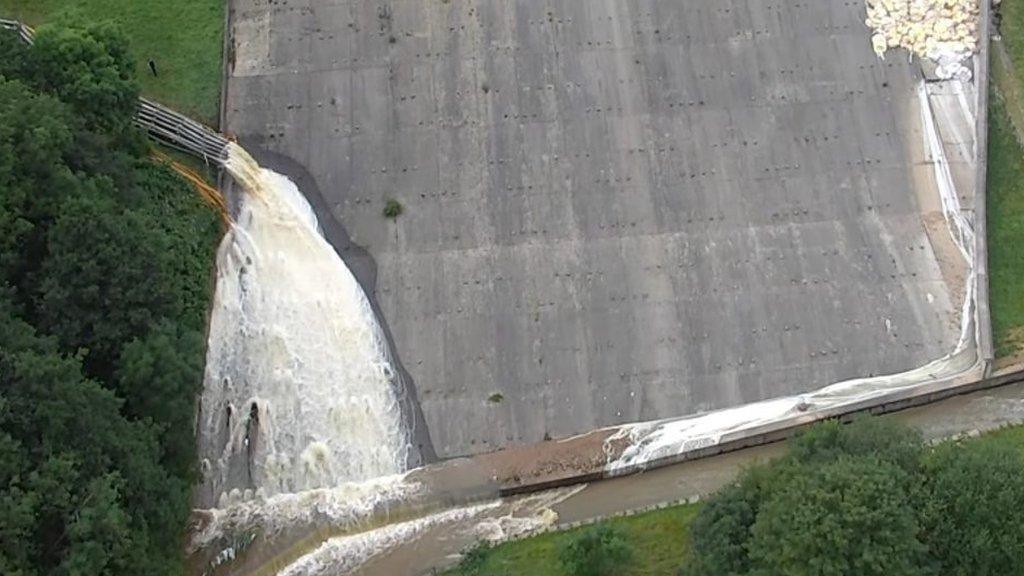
392, 209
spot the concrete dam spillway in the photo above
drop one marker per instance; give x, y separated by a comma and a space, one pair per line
299, 389
614, 212
630, 230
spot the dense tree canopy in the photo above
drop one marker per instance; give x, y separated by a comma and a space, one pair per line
868, 499
105, 262
849, 516
971, 506
89, 68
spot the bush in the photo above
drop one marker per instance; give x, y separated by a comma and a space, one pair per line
849, 516
868, 499
971, 505
721, 531
866, 436
90, 68
599, 551
818, 506
105, 262
392, 209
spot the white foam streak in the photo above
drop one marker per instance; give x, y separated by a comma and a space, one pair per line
344, 554
341, 507
526, 515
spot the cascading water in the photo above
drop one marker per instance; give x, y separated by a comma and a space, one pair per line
299, 390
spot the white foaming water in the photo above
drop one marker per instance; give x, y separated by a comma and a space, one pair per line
341, 507
299, 390
344, 554
496, 521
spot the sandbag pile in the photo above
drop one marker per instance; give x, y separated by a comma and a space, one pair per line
941, 30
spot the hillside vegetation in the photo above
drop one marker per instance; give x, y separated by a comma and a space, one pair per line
105, 275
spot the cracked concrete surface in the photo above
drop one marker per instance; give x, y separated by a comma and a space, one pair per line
615, 210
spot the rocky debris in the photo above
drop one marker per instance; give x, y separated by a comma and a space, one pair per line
945, 31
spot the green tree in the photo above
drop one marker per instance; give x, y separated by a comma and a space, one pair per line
811, 511
159, 376
90, 68
105, 263
866, 436
13, 54
98, 534
107, 278
721, 533
852, 516
971, 505
191, 231
89, 479
16, 510
597, 551
35, 133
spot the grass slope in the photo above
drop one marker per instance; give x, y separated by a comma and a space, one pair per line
183, 37
1012, 30
1005, 231
1006, 184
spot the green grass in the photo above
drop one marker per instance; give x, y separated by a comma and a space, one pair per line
183, 37
1005, 231
1014, 435
1006, 186
659, 540
1012, 30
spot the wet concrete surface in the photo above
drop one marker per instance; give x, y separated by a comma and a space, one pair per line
613, 210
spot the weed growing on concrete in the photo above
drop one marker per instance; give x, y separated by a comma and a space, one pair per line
392, 208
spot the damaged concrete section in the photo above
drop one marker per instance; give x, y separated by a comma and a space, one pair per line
614, 210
